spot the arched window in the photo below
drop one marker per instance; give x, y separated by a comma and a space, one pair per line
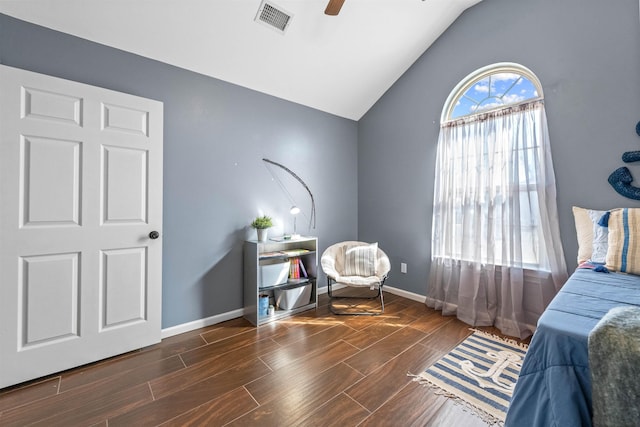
495, 227
491, 88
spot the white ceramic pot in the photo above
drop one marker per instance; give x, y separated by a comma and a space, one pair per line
262, 234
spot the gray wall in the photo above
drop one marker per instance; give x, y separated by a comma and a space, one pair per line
587, 56
584, 52
215, 183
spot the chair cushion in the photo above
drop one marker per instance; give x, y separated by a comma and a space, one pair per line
361, 260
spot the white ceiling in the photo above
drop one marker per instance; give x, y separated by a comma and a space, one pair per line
339, 64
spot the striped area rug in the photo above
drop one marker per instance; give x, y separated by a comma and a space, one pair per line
481, 373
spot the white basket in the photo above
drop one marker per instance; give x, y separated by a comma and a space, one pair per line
288, 299
274, 274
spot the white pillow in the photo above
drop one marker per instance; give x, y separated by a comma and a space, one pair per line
600, 242
361, 260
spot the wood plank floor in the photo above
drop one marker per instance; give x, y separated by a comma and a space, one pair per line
313, 369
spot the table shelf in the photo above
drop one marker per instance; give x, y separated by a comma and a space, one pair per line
257, 254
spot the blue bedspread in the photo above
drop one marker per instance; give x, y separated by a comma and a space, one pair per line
554, 387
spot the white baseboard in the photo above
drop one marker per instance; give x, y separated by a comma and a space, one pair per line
390, 289
405, 294
218, 318
201, 323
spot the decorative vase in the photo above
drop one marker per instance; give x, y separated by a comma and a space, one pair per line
262, 234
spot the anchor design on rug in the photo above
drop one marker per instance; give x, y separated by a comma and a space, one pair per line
503, 360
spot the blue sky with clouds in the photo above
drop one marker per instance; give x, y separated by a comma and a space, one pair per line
494, 91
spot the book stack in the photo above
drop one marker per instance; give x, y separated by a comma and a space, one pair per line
289, 253
297, 269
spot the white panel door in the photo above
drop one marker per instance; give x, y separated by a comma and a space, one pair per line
80, 194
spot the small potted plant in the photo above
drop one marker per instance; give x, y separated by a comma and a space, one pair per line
261, 224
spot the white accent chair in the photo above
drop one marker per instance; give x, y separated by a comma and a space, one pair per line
355, 264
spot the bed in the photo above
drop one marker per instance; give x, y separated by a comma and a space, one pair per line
554, 387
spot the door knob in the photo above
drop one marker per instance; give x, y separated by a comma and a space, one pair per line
154, 235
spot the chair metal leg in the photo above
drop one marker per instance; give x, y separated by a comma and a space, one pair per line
359, 313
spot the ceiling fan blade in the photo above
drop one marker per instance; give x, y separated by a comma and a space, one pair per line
333, 8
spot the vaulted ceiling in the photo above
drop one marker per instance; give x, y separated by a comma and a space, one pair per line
338, 64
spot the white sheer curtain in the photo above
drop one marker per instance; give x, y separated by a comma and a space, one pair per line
497, 258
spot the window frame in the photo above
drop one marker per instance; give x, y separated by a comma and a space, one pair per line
456, 94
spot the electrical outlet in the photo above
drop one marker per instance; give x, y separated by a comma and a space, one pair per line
403, 267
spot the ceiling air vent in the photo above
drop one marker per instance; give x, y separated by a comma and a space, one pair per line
273, 16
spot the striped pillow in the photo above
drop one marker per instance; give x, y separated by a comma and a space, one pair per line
361, 260
623, 253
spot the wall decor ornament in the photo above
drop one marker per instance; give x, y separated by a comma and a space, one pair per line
312, 219
621, 178
631, 156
